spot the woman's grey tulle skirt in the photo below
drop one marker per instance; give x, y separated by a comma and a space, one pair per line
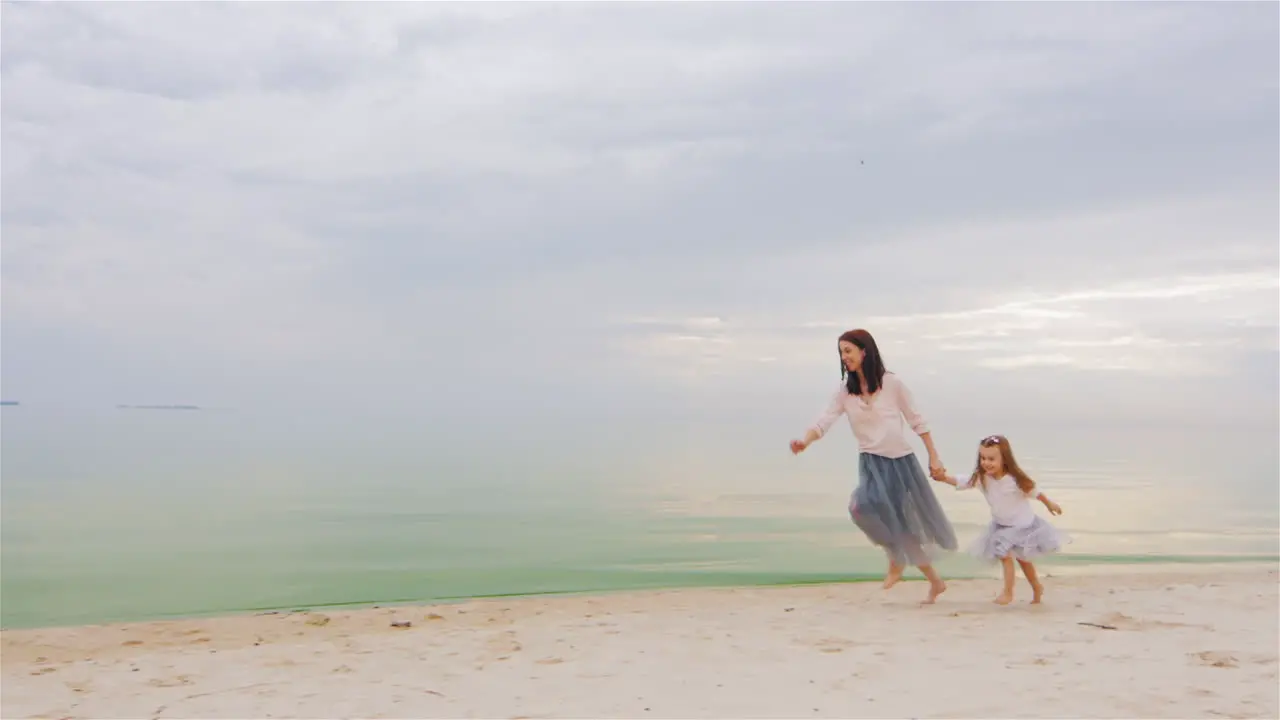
1024, 543
895, 506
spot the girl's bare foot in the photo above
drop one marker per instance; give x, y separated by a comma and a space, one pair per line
1006, 595
935, 589
1037, 591
893, 577
1033, 579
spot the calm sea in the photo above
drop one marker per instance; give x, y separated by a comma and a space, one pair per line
117, 515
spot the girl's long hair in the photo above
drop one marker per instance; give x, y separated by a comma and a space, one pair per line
1025, 483
872, 366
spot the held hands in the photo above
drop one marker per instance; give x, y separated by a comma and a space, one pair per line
937, 471
1053, 507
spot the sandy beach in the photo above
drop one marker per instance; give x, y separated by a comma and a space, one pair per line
1171, 643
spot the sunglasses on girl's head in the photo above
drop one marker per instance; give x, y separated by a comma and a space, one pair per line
990, 440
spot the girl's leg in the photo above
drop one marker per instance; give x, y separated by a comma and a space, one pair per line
1006, 596
1029, 570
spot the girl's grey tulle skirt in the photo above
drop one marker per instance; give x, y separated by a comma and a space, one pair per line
894, 505
1022, 543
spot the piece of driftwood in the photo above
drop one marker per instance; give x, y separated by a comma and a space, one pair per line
1103, 627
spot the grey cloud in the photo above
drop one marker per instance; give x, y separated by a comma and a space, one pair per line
424, 177
197, 51
1167, 326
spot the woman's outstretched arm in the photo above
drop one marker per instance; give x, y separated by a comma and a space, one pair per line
834, 410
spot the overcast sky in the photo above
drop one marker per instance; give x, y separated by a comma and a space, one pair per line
229, 204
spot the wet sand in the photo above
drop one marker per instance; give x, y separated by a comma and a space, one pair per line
1171, 643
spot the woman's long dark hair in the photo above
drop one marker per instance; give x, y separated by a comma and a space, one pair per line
872, 366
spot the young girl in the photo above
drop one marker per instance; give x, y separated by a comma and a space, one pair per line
1016, 532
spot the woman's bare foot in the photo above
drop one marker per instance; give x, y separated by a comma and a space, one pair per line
1037, 591
893, 577
935, 589
1004, 598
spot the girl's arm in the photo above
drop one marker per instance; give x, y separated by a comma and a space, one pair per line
955, 482
1051, 506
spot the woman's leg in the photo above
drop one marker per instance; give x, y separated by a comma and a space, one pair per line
877, 532
1006, 596
882, 506
894, 574
1029, 570
917, 556
936, 585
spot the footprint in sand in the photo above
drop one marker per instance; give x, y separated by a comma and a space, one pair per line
1215, 659
178, 681
503, 645
1038, 661
1120, 621
833, 645
1202, 692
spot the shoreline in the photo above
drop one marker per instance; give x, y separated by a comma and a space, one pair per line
912, 577
1177, 641
1075, 566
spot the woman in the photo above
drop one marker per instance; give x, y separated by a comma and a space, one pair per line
894, 502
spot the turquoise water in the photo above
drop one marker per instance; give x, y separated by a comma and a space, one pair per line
127, 515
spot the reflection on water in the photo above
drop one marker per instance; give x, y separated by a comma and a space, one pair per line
113, 517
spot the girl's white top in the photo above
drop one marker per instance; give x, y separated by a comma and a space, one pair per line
877, 424
1009, 505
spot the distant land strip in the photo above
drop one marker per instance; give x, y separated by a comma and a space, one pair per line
15, 403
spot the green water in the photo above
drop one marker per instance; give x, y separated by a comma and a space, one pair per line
126, 517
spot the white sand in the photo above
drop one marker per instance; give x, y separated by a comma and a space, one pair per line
1185, 645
